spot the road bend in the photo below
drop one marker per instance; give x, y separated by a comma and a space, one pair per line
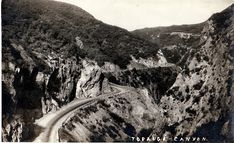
53, 121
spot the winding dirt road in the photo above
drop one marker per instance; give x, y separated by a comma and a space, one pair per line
53, 121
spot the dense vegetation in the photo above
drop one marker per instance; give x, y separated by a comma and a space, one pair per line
47, 26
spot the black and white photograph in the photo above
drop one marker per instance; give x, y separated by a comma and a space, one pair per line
157, 71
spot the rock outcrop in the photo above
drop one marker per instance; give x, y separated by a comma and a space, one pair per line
61, 84
13, 132
150, 62
92, 81
110, 67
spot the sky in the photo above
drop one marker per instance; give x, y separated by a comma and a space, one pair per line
137, 14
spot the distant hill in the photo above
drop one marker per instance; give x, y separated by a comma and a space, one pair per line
175, 40
155, 31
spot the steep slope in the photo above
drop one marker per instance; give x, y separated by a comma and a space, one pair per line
199, 101
197, 105
175, 41
44, 46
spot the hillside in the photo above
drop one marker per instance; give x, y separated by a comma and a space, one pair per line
51, 26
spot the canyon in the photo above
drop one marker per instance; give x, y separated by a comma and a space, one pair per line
75, 78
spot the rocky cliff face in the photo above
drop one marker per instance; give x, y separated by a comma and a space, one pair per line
201, 95
31, 91
60, 84
92, 81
